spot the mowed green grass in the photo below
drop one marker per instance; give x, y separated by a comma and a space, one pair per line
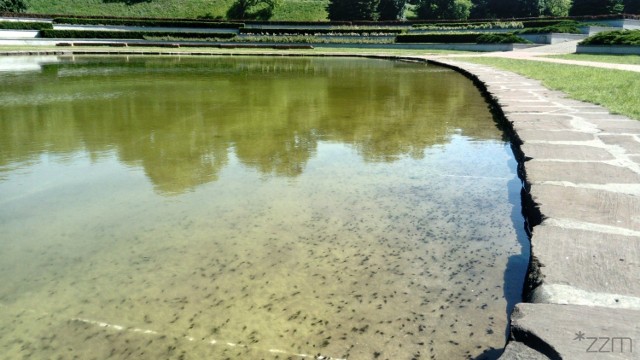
616, 90
297, 10
613, 59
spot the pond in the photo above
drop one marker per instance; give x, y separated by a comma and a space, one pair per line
253, 208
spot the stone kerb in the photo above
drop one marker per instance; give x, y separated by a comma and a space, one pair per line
581, 169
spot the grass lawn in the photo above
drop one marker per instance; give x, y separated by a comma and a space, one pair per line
300, 10
616, 90
613, 59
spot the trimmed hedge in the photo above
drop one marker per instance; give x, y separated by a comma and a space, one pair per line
501, 38
470, 25
298, 23
150, 23
533, 24
459, 38
497, 38
19, 25
618, 37
565, 27
363, 32
90, 34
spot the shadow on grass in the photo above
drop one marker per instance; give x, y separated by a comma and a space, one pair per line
128, 2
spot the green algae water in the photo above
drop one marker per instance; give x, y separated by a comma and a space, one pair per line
253, 208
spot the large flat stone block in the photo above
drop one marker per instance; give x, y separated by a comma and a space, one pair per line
630, 143
579, 172
618, 126
592, 261
577, 332
554, 135
546, 151
512, 107
519, 351
582, 205
539, 122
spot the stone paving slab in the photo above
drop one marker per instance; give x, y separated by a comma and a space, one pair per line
580, 172
518, 351
631, 127
616, 210
537, 122
630, 143
576, 332
554, 135
567, 255
573, 152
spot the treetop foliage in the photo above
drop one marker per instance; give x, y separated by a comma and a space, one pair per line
14, 6
485, 9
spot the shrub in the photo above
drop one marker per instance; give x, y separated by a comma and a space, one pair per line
496, 38
507, 38
19, 25
150, 23
13, 6
345, 31
459, 38
353, 10
618, 37
471, 26
541, 23
252, 9
567, 27
89, 34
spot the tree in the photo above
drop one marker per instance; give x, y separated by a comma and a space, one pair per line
391, 9
444, 9
559, 8
15, 6
596, 7
252, 9
461, 9
632, 6
480, 10
353, 10
530, 8
503, 8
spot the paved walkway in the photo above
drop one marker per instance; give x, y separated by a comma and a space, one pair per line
581, 166
538, 54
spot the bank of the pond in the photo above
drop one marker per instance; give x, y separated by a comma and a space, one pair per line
580, 167
581, 171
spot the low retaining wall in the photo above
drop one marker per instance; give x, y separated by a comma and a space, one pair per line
592, 30
552, 38
608, 49
18, 34
628, 24
459, 47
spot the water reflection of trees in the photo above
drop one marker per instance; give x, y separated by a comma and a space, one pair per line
181, 121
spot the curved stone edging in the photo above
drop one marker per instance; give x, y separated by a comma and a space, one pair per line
582, 174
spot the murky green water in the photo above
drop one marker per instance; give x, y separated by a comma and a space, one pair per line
253, 208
